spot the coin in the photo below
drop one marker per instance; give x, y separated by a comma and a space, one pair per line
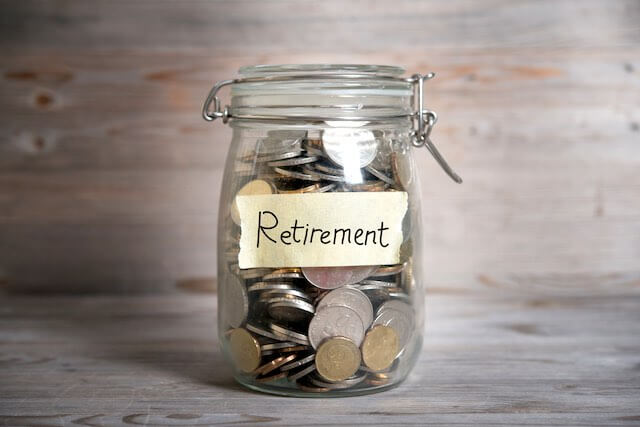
289, 294
297, 363
274, 364
263, 332
366, 186
350, 147
380, 283
289, 309
352, 298
325, 188
337, 359
296, 174
284, 273
255, 187
381, 176
328, 169
296, 348
245, 350
307, 189
294, 162
236, 305
380, 347
347, 383
269, 286
273, 157
335, 277
388, 270
334, 321
399, 316
402, 169
296, 374
318, 176
287, 334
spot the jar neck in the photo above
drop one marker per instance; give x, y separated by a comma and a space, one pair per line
322, 92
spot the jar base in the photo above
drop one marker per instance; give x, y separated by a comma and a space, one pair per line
292, 392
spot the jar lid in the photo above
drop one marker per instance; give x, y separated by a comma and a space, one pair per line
322, 91
293, 69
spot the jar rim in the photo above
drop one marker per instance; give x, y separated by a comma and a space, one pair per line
296, 69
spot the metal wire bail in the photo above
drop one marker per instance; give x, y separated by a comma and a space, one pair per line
424, 120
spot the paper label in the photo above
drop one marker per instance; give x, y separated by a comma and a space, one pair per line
321, 229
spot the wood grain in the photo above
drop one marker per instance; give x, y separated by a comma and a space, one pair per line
109, 178
491, 357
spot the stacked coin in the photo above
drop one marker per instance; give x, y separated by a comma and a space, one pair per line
318, 328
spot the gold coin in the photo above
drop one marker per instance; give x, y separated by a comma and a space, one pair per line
337, 359
379, 348
252, 188
245, 350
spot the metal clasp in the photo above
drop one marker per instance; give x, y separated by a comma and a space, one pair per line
217, 111
425, 120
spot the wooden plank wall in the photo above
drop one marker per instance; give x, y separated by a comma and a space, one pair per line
109, 178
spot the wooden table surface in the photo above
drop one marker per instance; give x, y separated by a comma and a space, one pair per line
491, 356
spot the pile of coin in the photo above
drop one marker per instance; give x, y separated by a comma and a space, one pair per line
319, 328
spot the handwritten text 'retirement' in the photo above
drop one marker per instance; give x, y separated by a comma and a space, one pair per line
304, 234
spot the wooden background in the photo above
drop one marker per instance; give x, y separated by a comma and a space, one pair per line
109, 178
109, 184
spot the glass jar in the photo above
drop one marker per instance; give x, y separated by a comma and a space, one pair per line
319, 240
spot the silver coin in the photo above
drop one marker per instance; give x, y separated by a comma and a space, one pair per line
352, 298
353, 148
236, 304
287, 334
263, 332
379, 283
388, 270
336, 321
270, 286
294, 162
322, 176
279, 141
289, 309
383, 159
402, 169
279, 156
312, 151
398, 316
297, 374
296, 174
285, 293
379, 175
335, 277
328, 169
298, 363
396, 305
398, 294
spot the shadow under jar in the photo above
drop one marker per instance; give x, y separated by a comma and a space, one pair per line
319, 238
